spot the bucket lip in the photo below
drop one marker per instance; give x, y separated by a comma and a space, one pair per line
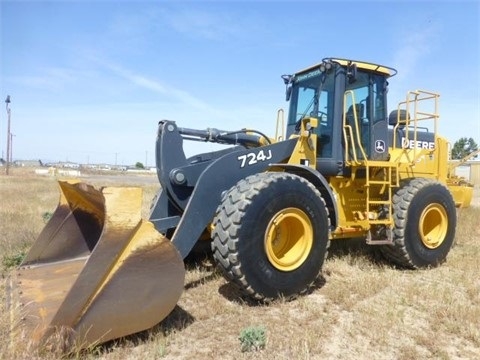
33, 265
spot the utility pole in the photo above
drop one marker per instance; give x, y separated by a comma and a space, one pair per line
7, 104
11, 147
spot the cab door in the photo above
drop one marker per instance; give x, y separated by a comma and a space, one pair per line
365, 117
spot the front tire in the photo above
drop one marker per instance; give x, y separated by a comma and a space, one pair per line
425, 220
271, 235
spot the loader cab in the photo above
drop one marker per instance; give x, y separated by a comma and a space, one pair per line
349, 100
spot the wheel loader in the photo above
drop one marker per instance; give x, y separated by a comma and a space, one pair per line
342, 167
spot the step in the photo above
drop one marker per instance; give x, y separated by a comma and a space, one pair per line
379, 182
379, 242
379, 202
387, 241
381, 222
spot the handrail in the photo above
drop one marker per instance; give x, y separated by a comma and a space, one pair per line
347, 127
418, 100
280, 125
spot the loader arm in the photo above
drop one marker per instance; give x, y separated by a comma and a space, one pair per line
192, 188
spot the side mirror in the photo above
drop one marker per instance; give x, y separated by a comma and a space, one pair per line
288, 79
352, 73
288, 92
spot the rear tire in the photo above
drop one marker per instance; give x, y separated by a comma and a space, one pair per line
271, 235
425, 220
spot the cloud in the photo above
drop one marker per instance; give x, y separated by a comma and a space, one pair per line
209, 25
48, 78
136, 27
414, 45
131, 31
200, 23
154, 85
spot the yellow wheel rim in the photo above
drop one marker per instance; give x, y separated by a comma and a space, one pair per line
288, 239
433, 225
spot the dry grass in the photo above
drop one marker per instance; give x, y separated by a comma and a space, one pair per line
363, 308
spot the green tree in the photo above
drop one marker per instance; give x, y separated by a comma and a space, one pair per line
463, 147
139, 165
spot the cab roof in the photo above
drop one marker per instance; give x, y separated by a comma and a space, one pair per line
384, 70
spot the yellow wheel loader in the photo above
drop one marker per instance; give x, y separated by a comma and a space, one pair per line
341, 168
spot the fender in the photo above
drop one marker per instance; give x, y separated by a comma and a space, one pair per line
319, 181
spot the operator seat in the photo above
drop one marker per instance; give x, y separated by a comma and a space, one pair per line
357, 109
401, 117
350, 116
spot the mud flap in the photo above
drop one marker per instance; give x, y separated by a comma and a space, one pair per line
96, 272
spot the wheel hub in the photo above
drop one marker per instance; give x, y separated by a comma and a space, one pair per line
288, 239
433, 225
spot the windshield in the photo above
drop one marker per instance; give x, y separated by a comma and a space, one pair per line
310, 94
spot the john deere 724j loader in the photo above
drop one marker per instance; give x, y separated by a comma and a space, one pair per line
342, 168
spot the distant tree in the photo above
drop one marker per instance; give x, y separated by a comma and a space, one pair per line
463, 147
139, 165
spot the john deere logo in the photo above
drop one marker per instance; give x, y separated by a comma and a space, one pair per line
419, 144
379, 146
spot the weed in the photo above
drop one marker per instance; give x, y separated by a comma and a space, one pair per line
160, 350
253, 338
46, 216
11, 261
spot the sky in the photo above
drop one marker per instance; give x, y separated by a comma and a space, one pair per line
90, 80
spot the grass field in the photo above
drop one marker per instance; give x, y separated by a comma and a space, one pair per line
362, 307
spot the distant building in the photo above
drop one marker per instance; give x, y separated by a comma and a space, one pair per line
70, 165
469, 170
27, 163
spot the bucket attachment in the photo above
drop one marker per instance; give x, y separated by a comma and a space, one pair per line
96, 272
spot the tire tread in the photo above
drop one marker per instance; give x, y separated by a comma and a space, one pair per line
401, 201
228, 222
